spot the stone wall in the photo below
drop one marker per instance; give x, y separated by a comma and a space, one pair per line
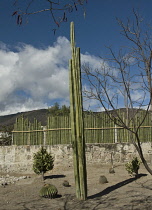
20, 158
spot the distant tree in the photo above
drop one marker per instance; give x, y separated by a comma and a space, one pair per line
58, 9
56, 110
65, 110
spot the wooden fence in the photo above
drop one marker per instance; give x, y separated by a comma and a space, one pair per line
98, 129
27, 133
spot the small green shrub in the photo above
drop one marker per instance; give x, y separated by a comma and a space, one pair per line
48, 191
66, 183
133, 166
43, 162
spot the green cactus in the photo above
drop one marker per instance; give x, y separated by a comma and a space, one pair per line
66, 183
77, 120
48, 191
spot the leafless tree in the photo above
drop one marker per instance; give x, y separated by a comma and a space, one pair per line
140, 50
58, 9
124, 80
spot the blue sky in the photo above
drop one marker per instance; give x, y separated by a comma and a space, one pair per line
33, 61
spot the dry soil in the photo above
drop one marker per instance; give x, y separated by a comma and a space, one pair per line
121, 192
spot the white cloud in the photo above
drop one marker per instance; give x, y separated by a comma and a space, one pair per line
93, 61
33, 78
27, 105
30, 78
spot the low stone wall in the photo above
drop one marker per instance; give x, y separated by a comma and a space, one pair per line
20, 158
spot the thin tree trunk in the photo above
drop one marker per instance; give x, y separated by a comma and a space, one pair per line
140, 152
43, 175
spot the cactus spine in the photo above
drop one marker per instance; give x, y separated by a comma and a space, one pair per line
77, 124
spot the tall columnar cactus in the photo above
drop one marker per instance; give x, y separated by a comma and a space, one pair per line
77, 123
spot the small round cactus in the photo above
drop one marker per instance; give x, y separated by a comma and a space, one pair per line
103, 180
111, 170
48, 191
66, 183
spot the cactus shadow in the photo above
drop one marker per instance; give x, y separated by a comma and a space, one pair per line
116, 186
58, 196
54, 176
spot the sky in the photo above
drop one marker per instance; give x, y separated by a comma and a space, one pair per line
34, 61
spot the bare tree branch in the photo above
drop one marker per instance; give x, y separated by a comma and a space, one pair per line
58, 9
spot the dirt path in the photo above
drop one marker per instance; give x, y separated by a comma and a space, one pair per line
121, 191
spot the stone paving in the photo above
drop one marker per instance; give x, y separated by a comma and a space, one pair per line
7, 179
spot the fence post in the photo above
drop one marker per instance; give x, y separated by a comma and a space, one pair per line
12, 138
44, 135
116, 134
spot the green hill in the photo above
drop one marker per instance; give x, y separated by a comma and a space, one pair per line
40, 115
